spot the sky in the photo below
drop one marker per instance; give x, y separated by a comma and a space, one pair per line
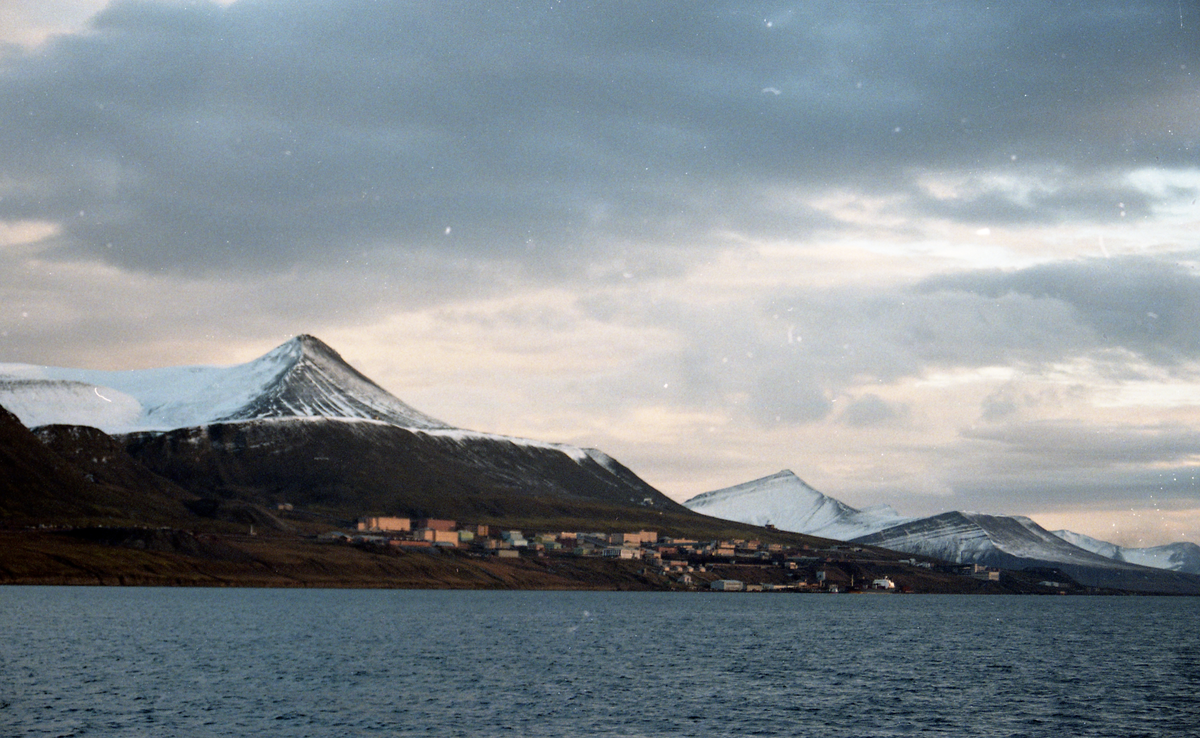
935, 255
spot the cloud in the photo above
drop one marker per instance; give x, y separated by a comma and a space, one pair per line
1069, 446
1038, 465
1145, 305
872, 410
185, 136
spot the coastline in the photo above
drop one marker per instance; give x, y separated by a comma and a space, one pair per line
48, 557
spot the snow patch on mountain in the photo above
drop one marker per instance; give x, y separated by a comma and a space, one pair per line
37, 399
788, 503
577, 454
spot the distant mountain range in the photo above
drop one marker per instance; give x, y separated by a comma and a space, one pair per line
1010, 542
1182, 556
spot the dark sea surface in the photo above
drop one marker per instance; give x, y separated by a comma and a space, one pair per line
88, 661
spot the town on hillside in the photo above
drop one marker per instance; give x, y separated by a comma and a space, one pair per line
734, 565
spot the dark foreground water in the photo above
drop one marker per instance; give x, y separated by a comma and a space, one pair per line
209, 662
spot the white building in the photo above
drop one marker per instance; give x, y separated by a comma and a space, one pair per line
728, 585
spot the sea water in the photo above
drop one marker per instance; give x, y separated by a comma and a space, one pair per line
242, 662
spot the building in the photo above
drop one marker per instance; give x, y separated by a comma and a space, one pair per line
434, 524
634, 539
436, 537
727, 585
514, 538
978, 571
883, 583
394, 525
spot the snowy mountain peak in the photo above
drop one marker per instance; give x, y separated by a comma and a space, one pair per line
787, 502
1182, 556
314, 381
302, 378
785, 481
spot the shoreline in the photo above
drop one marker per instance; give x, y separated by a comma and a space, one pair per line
56, 558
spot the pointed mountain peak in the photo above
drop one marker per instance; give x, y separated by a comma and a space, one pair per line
312, 346
783, 481
301, 378
785, 474
310, 379
302, 346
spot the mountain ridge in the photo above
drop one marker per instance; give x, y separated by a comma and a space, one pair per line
1012, 542
1180, 556
1017, 542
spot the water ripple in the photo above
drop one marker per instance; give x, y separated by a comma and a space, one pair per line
197, 662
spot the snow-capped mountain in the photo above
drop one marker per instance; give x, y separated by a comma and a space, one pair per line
301, 378
1016, 542
300, 425
974, 538
788, 503
1184, 556
1010, 542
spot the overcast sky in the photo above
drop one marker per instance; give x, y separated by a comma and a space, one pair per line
936, 255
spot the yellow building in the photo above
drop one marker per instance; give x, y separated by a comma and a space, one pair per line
385, 524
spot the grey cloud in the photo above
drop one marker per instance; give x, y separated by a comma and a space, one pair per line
1146, 305
1069, 201
1173, 487
872, 410
1034, 464
786, 359
1060, 445
261, 135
